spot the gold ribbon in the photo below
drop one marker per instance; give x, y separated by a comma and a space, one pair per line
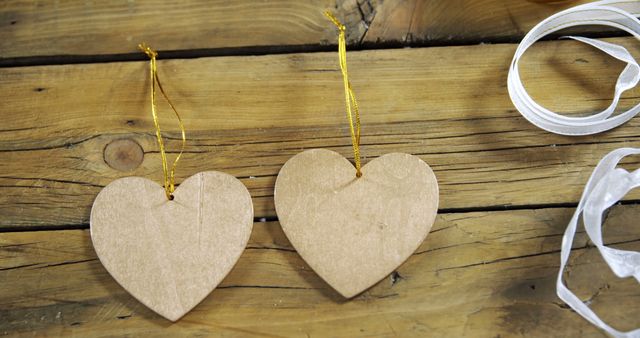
350, 98
169, 176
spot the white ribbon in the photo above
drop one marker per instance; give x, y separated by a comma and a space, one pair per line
618, 14
607, 184
606, 187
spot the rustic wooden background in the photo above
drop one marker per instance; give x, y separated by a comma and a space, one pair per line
257, 82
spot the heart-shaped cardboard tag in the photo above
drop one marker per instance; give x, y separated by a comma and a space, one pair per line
352, 231
171, 254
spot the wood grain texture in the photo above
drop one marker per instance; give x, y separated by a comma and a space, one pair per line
461, 21
477, 274
248, 115
70, 130
31, 28
354, 231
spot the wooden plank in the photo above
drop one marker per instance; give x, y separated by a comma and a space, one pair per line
32, 28
461, 21
248, 115
477, 274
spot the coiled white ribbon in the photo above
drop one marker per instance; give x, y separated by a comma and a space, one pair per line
618, 14
607, 184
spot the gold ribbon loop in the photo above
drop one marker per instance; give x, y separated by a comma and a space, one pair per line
169, 175
350, 98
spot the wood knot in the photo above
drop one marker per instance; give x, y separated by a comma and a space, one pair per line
123, 154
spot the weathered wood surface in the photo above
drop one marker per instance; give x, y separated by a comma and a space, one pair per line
51, 28
461, 21
248, 115
478, 274
69, 130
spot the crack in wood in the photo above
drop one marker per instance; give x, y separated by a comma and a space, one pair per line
48, 180
18, 267
366, 22
265, 287
66, 263
42, 266
252, 247
58, 146
505, 259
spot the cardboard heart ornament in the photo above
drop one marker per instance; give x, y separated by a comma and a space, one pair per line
352, 231
171, 254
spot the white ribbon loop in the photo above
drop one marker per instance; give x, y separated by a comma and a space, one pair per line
608, 13
611, 189
607, 184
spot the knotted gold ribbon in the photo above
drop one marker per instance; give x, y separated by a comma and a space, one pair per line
350, 98
169, 175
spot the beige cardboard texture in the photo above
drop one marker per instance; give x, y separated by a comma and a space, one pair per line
171, 254
353, 231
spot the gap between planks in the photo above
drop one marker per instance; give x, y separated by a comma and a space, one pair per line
269, 219
54, 60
